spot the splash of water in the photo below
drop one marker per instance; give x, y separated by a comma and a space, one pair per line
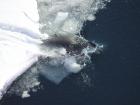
64, 51
63, 21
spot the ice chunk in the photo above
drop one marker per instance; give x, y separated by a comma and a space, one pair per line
71, 65
25, 94
61, 16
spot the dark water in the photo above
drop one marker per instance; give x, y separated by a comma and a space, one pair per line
117, 70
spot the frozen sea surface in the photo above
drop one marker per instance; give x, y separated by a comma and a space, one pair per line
115, 73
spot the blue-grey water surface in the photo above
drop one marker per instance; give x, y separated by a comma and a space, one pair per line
116, 72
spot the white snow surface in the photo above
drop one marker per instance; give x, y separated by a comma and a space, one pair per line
24, 24
18, 50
